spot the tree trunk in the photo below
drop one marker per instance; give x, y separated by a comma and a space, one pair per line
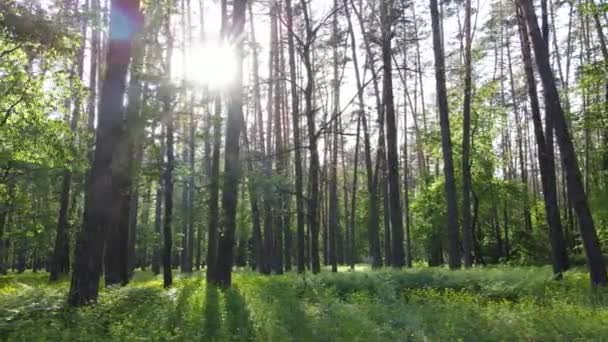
373, 236
168, 172
234, 123
576, 192
467, 239
446, 143
100, 203
295, 109
117, 258
333, 181
398, 253
60, 261
374, 215
313, 173
545, 160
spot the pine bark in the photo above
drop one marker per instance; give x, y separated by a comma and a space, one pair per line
446, 143
576, 190
234, 123
546, 163
100, 206
295, 109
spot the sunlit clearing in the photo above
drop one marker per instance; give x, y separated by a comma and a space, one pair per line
212, 64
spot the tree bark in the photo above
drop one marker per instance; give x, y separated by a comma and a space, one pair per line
100, 206
313, 172
169, 166
576, 192
446, 143
295, 109
546, 162
234, 123
467, 236
398, 253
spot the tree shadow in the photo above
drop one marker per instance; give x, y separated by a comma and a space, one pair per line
178, 316
212, 322
282, 309
238, 318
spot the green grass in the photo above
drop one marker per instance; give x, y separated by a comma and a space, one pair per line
493, 304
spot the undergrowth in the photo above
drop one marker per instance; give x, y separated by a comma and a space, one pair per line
493, 304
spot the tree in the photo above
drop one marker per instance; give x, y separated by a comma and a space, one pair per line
101, 203
313, 172
576, 190
446, 142
398, 254
373, 236
295, 109
60, 261
467, 238
168, 115
223, 272
545, 160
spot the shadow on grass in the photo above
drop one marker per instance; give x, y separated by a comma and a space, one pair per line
179, 317
211, 315
226, 316
238, 318
279, 311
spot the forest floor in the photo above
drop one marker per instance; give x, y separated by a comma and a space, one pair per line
503, 303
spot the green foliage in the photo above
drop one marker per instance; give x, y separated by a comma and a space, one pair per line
487, 304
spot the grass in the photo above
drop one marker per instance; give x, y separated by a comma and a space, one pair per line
491, 304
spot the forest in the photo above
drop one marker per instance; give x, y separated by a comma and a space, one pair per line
303, 170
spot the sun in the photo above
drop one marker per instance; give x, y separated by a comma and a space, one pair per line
212, 64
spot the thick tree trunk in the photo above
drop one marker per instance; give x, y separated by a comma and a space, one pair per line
102, 198
398, 253
117, 261
234, 123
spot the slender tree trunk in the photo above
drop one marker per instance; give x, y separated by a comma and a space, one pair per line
295, 109
333, 181
576, 192
545, 160
313, 173
373, 236
169, 166
158, 209
448, 167
467, 236
373, 180
60, 261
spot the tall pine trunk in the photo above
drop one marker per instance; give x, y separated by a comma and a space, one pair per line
234, 123
100, 206
546, 162
574, 181
446, 142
